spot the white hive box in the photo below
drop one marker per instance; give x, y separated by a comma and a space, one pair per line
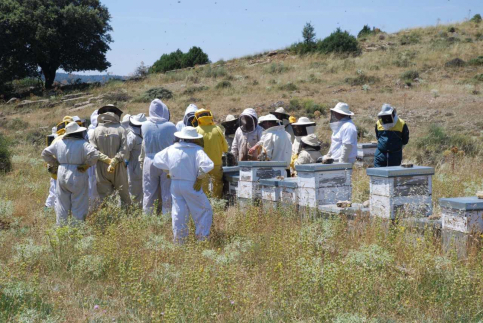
251, 172
462, 214
231, 176
399, 190
289, 192
320, 184
270, 191
365, 154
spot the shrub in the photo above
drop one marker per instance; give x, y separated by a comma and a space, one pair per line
309, 106
410, 75
367, 31
457, 62
276, 68
288, 87
214, 72
362, 80
155, 93
194, 89
5, 155
476, 18
223, 85
117, 97
476, 61
14, 124
410, 39
339, 42
404, 58
178, 59
302, 48
308, 33
451, 29
479, 77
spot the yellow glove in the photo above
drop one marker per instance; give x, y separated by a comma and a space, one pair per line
103, 158
112, 166
197, 186
292, 161
83, 168
292, 119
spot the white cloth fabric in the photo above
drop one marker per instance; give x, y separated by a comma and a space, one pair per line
276, 143
190, 109
298, 140
244, 141
134, 172
307, 156
91, 172
185, 162
72, 185
158, 134
50, 202
345, 134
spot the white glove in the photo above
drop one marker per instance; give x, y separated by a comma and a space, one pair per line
346, 150
326, 158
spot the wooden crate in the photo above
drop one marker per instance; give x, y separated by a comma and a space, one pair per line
462, 214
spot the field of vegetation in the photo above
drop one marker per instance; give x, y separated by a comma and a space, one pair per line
259, 266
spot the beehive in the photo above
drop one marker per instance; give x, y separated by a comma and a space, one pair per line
231, 176
320, 184
270, 191
399, 190
463, 214
251, 172
365, 154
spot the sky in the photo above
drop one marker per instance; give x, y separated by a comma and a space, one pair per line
145, 29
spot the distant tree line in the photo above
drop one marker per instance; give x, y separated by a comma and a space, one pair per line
178, 59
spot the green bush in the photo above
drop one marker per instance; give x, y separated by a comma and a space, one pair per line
302, 48
14, 124
276, 68
194, 89
476, 61
410, 75
5, 155
178, 59
339, 42
476, 18
479, 77
367, 31
223, 85
155, 93
288, 87
309, 106
361, 80
214, 72
410, 39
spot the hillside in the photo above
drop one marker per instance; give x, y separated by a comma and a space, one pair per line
259, 266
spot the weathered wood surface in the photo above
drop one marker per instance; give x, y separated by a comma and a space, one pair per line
462, 221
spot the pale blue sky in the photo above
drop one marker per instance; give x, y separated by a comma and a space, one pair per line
145, 29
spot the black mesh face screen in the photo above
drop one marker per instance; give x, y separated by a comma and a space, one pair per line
299, 131
280, 116
192, 121
247, 124
230, 127
387, 119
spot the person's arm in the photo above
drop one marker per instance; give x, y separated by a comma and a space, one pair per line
303, 158
348, 136
377, 132
269, 146
48, 155
224, 144
234, 145
405, 137
92, 154
93, 142
204, 163
161, 160
122, 152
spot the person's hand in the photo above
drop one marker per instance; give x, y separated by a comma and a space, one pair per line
83, 168
253, 150
112, 166
197, 185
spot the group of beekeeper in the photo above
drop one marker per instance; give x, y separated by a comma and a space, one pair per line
168, 168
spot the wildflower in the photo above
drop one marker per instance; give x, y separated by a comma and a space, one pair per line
96, 307
232, 302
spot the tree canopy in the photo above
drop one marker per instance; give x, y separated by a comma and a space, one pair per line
41, 36
178, 59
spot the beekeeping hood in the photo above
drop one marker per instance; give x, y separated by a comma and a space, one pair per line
388, 116
204, 117
231, 125
248, 121
303, 127
189, 115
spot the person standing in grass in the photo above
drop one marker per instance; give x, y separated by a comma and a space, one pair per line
73, 155
187, 165
392, 135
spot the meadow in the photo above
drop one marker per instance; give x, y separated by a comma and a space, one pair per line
261, 266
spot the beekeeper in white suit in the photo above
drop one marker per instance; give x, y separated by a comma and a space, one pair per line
283, 116
134, 143
247, 135
158, 134
343, 148
73, 155
50, 201
189, 116
187, 165
93, 195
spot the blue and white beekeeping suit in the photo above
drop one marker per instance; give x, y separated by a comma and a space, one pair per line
343, 147
185, 162
189, 115
72, 184
158, 134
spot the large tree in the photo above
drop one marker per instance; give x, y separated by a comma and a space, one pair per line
45, 35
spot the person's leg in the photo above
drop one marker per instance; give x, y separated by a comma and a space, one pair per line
395, 158
165, 185
151, 187
179, 213
380, 159
80, 197
63, 202
200, 209
104, 186
50, 202
217, 181
121, 184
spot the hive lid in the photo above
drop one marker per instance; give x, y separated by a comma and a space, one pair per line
262, 164
322, 167
289, 182
400, 171
269, 182
462, 203
231, 169
366, 145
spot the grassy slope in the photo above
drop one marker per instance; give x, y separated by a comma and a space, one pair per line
259, 266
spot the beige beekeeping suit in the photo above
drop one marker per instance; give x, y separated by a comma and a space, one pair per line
110, 139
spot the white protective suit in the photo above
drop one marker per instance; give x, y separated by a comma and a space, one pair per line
158, 134
93, 195
50, 201
190, 109
244, 141
185, 162
72, 185
134, 171
276, 143
343, 141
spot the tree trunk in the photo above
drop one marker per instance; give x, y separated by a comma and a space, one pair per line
49, 74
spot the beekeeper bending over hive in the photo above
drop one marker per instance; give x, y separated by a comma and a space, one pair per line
343, 148
187, 165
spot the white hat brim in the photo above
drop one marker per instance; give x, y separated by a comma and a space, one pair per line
180, 135
303, 123
137, 123
342, 112
80, 129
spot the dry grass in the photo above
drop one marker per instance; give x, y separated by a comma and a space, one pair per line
258, 266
